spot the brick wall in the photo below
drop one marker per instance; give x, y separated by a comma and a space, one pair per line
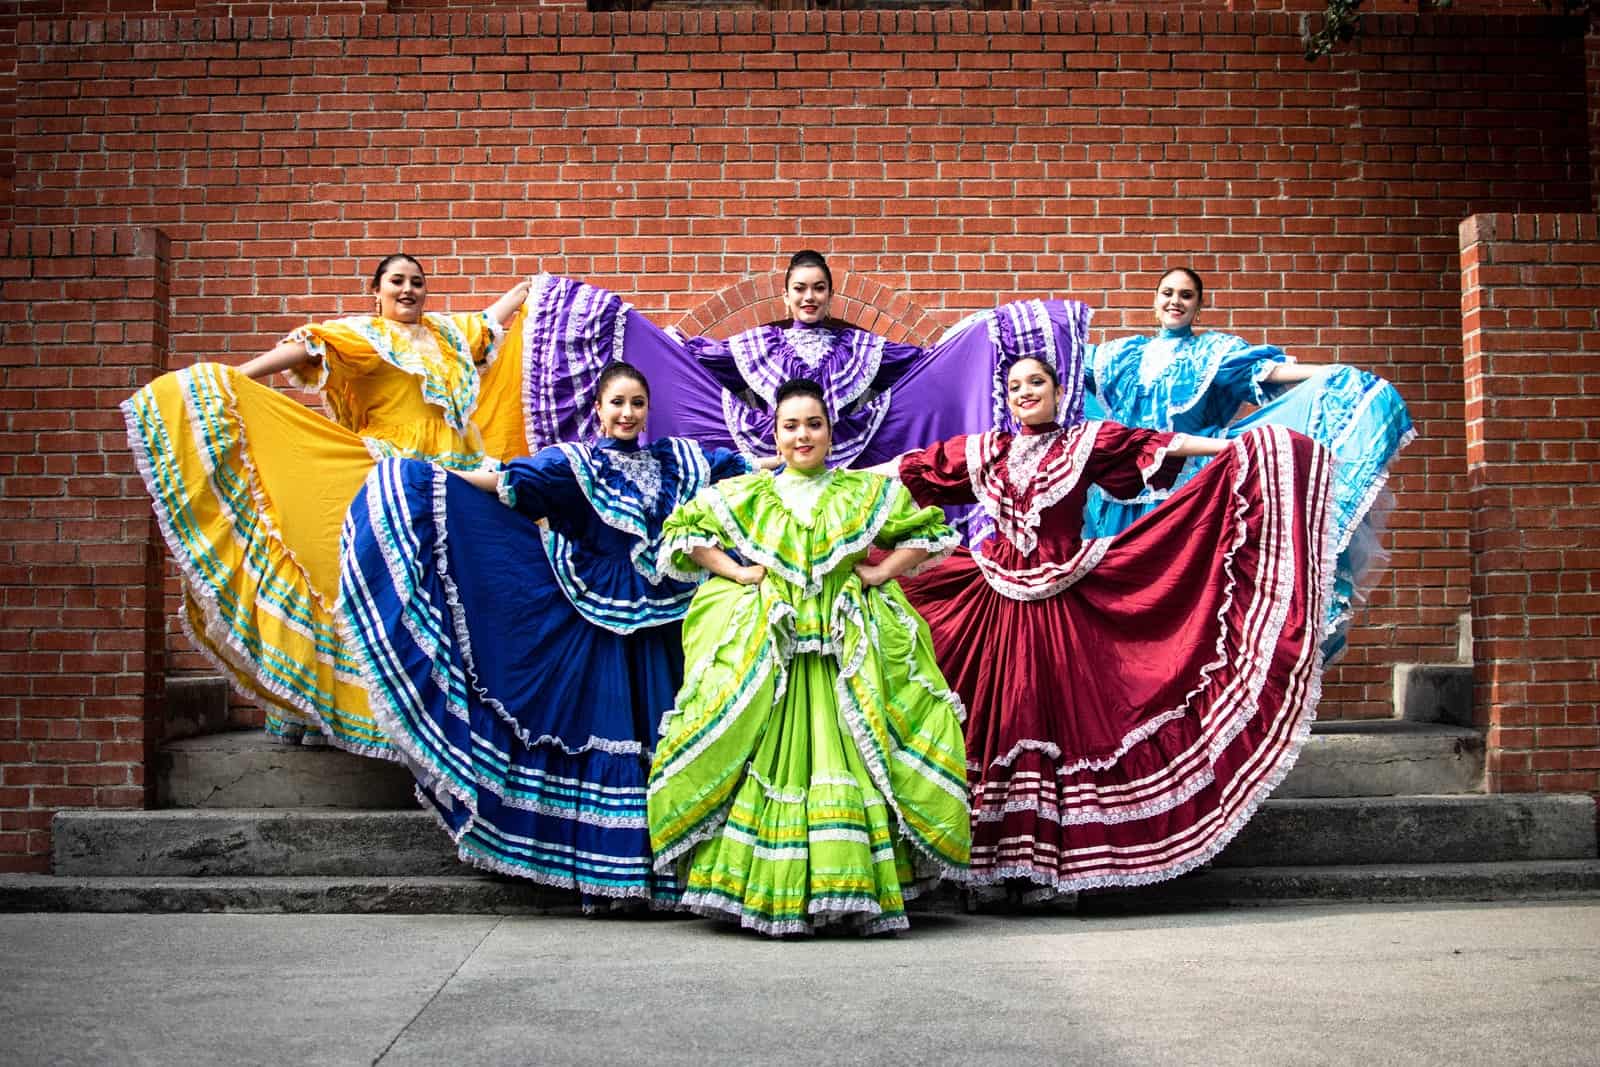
1532, 339
951, 159
83, 324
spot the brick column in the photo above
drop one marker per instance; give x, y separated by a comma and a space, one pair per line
1531, 332
83, 321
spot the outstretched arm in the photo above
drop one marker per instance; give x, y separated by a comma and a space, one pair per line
891, 566
287, 354
1187, 445
488, 481
718, 562
1290, 373
502, 310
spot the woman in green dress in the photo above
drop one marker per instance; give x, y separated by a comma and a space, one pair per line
812, 770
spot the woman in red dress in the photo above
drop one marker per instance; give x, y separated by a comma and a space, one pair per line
1131, 699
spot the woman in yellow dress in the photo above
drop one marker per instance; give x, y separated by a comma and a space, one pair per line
250, 486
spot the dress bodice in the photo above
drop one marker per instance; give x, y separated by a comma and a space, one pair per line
605, 505
1033, 486
1179, 380
408, 389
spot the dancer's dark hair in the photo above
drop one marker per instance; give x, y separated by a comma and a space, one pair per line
383, 266
808, 258
1199, 286
618, 369
1050, 372
801, 387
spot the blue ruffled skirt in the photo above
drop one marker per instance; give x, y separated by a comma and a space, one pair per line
1362, 420
529, 730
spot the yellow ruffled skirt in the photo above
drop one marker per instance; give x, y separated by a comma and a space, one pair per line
250, 489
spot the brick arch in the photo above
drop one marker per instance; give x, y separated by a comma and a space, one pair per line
857, 299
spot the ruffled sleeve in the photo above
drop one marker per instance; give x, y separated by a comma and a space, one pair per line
910, 526
1126, 460
337, 347
938, 474
1102, 362
727, 463
716, 357
1240, 372
542, 486
692, 524
483, 335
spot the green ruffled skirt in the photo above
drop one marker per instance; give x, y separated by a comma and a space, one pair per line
809, 778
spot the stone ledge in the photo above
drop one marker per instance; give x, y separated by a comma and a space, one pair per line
1434, 692
248, 769
1381, 883
1245, 886
1337, 831
260, 843
455, 895
1386, 757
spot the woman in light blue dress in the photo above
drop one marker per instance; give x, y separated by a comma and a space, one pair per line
1195, 383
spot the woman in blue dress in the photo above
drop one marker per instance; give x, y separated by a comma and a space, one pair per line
520, 652
1180, 381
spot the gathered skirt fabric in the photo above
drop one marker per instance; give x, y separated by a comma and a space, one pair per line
796, 789
1122, 731
250, 488
529, 729
1363, 422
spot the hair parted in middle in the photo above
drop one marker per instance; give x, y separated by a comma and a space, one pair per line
618, 369
808, 258
801, 387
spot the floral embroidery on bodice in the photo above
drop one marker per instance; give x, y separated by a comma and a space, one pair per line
642, 470
811, 346
800, 493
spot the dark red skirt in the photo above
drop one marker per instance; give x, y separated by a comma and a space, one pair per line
1123, 730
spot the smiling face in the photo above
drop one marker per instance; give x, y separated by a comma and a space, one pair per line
402, 290
1032, 393
1177, 301
622, 408
803, 435
807, 294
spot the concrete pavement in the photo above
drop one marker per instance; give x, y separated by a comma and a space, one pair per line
1416, 984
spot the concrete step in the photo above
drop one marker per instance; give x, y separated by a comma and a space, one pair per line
1386, 757
196, 704
1540, 880
1373, 883
459, 894
1434, 692
1337, 831
248, 769
256, 842
1293, 832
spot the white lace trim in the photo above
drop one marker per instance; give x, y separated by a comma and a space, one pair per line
1047, 579
458, 618
219, 636
845, 611
1053, 478
810, 583
1303, 694
643, 892
772, 660
800, 493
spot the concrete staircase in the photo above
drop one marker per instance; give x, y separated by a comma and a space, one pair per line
1385, 810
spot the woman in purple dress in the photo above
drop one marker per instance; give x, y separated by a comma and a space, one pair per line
883, 397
